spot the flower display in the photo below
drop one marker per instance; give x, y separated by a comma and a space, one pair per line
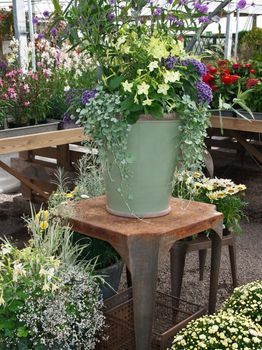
230, 80
224, 193
140, 57
220, 331
247, 301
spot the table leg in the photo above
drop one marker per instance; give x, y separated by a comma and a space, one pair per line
215, 266
143, 265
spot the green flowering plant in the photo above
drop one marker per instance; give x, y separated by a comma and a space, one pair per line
141, 62
224, 193
247, 301
220, 331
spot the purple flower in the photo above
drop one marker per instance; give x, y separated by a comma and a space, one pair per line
53, 31
203, 19
46, 13
241, 4
112, 2
87, 95
170, 1
199, 66
170, 62
183, 2
40, 36
157, 12
204, 92
171, 18
110, 16
35, 20
179, 22
66, 118
201, 8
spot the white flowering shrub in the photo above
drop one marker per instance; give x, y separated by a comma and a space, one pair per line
71, 317
220, 331
46, 303
247, 301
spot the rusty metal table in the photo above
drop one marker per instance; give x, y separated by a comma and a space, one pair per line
139, 243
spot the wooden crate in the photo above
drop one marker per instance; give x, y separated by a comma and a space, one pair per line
39, 165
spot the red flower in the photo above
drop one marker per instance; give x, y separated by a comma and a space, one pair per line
207, 78
248, 65
225, 71
222, 62
236, 65
251, 82
229, 79
214, 87
252, 71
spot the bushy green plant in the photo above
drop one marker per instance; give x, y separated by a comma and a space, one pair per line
251, 45
220, 331
224, 193
247, 301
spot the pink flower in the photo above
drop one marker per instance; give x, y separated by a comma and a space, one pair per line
27, 103
40, 64
1, 82
34, 76
46, 72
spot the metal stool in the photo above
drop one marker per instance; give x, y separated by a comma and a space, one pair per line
201, 244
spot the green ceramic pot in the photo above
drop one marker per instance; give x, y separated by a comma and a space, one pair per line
153, 146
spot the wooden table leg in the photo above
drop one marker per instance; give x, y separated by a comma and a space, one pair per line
143, 265
216, 249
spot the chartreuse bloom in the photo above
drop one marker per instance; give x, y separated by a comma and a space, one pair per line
143, 89
171, 77
157, 48
127, 86
147, 102
163, 88
153, 65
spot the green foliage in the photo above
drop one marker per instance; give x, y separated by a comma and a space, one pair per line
251, 45
247, 301
89, 183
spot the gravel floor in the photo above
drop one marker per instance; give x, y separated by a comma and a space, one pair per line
249, 243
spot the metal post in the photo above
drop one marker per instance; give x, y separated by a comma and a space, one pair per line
236, 37
228, 43
32, 34
20, 32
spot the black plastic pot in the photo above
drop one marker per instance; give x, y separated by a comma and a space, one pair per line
111, 275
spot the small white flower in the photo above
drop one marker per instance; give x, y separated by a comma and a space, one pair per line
171, 77
143, 89
163, 88
127, 86
152, 65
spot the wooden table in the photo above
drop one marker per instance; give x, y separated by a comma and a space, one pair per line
237, 126
139, 243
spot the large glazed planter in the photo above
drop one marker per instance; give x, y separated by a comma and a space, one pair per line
153, 147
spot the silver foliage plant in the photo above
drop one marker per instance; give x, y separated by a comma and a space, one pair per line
68, 319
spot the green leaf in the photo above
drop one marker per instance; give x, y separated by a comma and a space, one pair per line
22, 332
116, 82
156, 110
57, 6
133, 117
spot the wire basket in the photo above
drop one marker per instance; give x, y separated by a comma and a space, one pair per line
171, 315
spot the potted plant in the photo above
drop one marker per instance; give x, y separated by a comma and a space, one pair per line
220, 331
46, 302
149, 102
224, 193
235, 88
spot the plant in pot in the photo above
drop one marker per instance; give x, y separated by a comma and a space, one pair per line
48, 300
233, 85
224, 193
149, 103
89, 183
